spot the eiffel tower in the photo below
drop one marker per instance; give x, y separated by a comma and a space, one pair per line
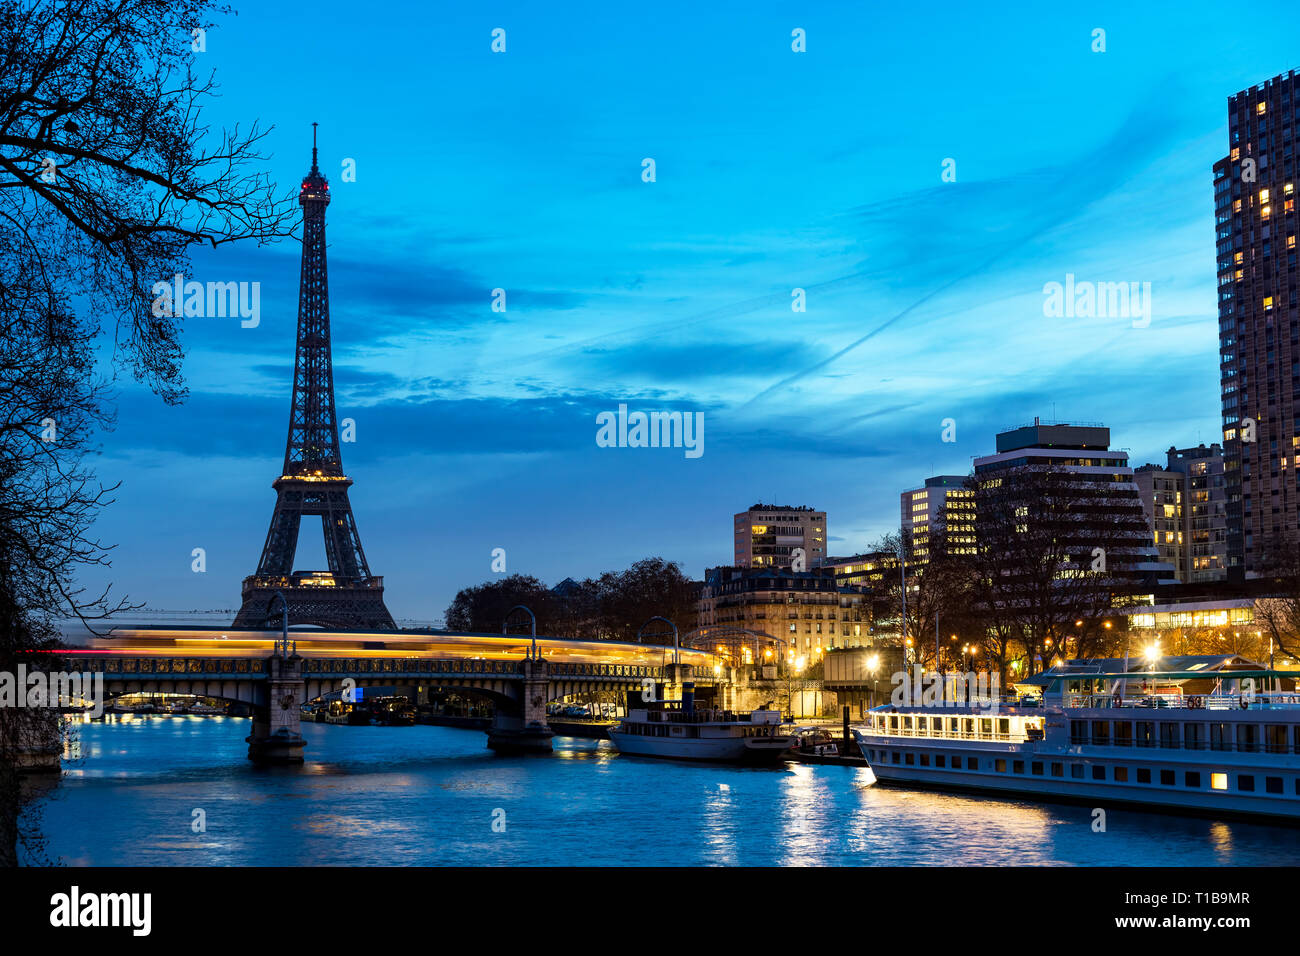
312, 481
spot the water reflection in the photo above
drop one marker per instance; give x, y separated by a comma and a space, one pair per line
429, 795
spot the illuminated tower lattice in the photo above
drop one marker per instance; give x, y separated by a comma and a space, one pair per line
312, 480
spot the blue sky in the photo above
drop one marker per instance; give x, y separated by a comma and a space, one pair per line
775, 170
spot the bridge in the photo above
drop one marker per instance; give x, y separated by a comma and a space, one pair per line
276, 672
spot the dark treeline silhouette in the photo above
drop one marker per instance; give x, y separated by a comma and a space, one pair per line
613, 606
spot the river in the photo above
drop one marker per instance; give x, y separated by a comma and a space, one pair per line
436, 796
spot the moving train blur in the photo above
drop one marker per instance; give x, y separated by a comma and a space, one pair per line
166, 641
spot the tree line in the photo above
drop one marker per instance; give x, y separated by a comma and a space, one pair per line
613, 606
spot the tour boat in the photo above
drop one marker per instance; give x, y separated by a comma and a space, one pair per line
1231, 750
677, 730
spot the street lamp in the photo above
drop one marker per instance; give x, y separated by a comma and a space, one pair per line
282, 645
676, 651
532, 653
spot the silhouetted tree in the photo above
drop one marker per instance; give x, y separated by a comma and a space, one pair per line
107, 178
652, 587
1051, 550
1278, 614
611, 607
483, 608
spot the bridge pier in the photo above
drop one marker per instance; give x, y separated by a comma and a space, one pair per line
528, 731
276, 736
674, 676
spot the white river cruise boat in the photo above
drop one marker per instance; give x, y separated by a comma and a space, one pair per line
1232, 750
678, 731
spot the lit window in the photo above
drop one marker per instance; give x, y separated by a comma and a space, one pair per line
1288, 189
1290, 242
1268, 303
1218, 781
1263, 195
1237, 259
1265, 212
1236, 205
1260, 108
1236, 153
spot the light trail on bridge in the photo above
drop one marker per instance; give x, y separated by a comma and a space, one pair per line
163, 641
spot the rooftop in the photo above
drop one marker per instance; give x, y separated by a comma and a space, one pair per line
1054, 435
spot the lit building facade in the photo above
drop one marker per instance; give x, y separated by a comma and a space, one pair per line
1259, 337
867, 570
1109, 510
1186, 503
945, 502
767, 535
809, 611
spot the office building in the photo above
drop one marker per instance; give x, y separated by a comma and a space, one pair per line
944, 504
1104, 507
1186, 506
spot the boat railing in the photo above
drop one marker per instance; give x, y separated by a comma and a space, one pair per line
1256, 701
698, 717
955, 734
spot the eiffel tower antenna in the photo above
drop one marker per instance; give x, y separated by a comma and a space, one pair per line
312, 481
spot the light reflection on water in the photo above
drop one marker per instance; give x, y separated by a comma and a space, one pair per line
427, 796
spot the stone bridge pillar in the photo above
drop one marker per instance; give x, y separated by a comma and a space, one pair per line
674, 676
527, 731
276, 736
726, 688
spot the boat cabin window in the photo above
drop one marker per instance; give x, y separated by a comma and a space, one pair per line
1275, 738
1248, 737
1220, 736
968, 726
986, 726
1144, 733
1004, 725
